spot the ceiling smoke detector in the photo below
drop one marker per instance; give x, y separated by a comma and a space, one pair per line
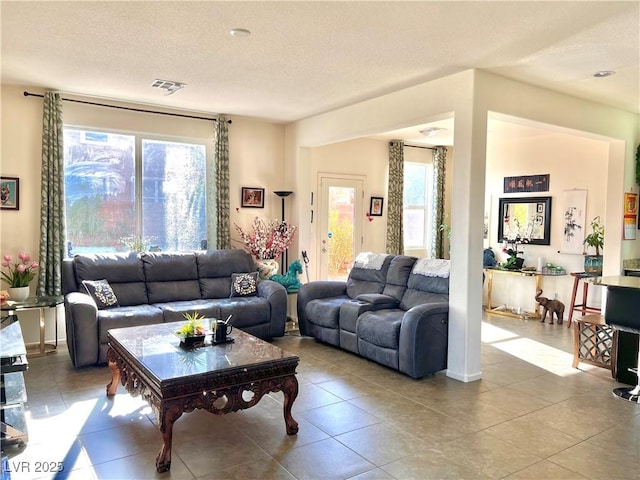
168, 85
604, 73
431, 131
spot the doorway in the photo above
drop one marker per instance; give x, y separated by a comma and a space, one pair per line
340, 226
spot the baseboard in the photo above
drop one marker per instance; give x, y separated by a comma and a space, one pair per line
461, 377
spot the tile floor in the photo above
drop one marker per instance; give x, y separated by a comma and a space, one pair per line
531, 416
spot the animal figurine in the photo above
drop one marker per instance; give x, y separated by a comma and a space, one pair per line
290, 280
551, 306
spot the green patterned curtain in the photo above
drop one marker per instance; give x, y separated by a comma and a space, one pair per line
437, 204
52, 233
395, 241
219, 208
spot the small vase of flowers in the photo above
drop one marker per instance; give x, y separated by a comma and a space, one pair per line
18, 275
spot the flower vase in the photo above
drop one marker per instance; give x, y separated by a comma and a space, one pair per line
593, 264
18, 294
267, 267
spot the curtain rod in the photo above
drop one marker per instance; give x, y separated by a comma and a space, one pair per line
28, 94
419, 146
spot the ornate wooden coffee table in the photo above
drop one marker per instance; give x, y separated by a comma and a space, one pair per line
149, 361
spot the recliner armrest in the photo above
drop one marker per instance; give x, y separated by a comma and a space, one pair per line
276, 295
81, 319
379, 299
424, 339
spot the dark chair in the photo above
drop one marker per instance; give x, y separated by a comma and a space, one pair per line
621, 313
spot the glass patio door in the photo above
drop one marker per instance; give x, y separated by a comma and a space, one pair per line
340, 225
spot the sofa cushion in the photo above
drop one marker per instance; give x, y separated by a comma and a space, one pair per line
244, 284
429, 284
381, 327
423, 289
245, 311
365, 280
123, 271
126, 317
216, 267
175, 311
171, 276
101, 292
398, 275
325, 311
413, 298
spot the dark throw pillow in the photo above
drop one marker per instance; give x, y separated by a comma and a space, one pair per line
101, 292
244, 284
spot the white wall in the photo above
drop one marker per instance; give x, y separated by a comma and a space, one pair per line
365, 157
573, 162
256, 159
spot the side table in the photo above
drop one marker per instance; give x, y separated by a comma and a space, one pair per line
292, 314
41, 304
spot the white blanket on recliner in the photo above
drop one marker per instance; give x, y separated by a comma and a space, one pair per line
370, 261
432, 267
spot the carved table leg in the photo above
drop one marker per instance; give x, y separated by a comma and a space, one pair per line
167, 417
112, 386
290, 391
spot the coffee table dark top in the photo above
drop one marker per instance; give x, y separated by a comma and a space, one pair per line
157, 351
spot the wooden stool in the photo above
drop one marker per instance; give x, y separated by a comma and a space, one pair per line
584, 308
595, 342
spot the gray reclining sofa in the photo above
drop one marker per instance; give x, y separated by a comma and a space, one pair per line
160, 287
393, 310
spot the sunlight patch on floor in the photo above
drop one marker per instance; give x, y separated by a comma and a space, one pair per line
491, 333
536, 353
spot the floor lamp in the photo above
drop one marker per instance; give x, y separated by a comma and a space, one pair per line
284, 258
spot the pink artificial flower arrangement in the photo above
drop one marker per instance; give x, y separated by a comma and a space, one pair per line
21, 272
268, 240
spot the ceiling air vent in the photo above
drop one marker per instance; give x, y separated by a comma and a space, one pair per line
168, 85
432, 131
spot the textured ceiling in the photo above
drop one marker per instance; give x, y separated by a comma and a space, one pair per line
305, 58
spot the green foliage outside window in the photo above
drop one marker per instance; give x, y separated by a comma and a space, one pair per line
341, 243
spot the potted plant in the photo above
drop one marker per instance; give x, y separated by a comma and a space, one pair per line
593, 263
19, 275
193, 331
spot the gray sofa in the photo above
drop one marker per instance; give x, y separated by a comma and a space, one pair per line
160, 287
395, 314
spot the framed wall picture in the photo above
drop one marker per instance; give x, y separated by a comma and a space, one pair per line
9, 193
375, 206
526, 183
574, 206
252, 197
630, 216
525, 217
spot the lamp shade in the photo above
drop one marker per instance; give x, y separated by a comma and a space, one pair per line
283, 193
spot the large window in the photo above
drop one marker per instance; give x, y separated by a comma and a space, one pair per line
127, 192
418, 226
